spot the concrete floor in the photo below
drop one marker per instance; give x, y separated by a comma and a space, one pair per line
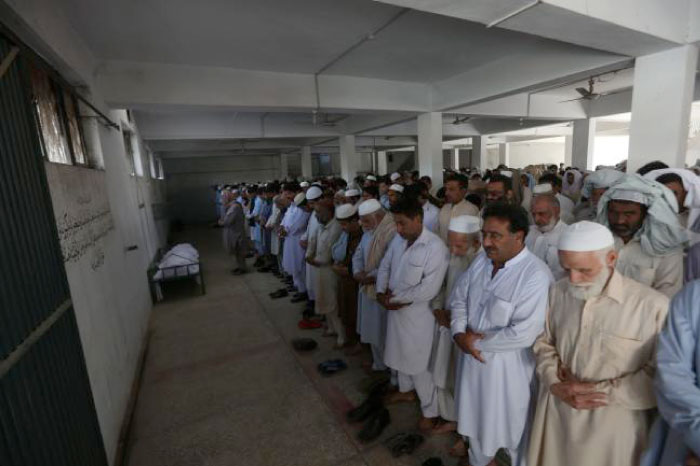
223, 386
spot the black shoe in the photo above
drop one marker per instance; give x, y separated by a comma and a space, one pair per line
299, 298
279, 294
368, 408
375, 426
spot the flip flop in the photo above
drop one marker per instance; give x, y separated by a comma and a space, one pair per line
304, 344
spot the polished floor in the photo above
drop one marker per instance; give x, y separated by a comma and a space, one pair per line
222, 385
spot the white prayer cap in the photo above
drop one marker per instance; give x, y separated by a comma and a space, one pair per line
299, 198
544, 188
465, 224
345, 211
507, 173
585, 236
369, 206
371, 178
340, 193
304, 184
395, 176
629, 195
313, 193
352, 192
396, 187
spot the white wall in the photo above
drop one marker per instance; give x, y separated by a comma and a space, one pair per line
190, 195
523, 154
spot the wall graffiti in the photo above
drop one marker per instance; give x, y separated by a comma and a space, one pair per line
82, 232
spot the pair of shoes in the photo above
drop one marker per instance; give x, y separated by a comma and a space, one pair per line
375, 426
332, 366
403, 444
238, 272
279, 294
306, 324
304, 344
300, 297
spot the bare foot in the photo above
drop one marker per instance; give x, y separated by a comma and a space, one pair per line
444, 427
399, 397
426, 423
459, 449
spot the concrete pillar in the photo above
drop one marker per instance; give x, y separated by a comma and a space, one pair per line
382, 165
455, 158
430, 146
568, 150
348, 158
479, 152
504, 154
661, 99
306, 170
583, 144
284, 166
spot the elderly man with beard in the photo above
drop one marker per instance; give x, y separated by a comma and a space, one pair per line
498, 308
379, 229
455, 204
464, 243
649, 240
595, 359
543, 238
410, 276
594, 186
319, 256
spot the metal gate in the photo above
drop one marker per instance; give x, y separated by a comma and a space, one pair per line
47, 414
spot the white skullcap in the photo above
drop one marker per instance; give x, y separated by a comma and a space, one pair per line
304, 184
371, 178
585, 236
507, 173
313, 193
299, 198
544, 188
345, 211
396, 187
465, 224
628, 195
395, 176
340, 193
369, 206
352, 193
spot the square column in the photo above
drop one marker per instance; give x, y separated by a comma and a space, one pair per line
583, 144
430, 146
661, 97
504, 154
284, 166
348, 158
306, 169
479, 153
568, 150
381, 163
455, 158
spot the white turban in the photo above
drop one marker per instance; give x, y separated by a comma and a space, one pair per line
465, 224
345, 211
304, 184
352, 193
585, 236
544, 188
396, 187
371, 178
369, 206
395, 176
313, 193
603, 178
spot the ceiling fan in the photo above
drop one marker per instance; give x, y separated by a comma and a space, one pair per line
590, 93
460, 120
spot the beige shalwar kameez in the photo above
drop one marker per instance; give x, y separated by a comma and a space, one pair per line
609, 340
450, 211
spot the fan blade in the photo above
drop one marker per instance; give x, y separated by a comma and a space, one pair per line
572, 100
583, 91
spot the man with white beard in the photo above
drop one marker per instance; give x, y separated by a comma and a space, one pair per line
543, 237
464, 243
595, 359
497, 308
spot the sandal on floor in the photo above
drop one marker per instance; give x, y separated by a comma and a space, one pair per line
332, 366
304, 344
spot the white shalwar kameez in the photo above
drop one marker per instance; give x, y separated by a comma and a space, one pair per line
414, 274
294, 223
311, 272
371, 316
544, 246
494, 399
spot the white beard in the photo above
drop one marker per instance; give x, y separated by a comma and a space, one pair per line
548, 227
592, 289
